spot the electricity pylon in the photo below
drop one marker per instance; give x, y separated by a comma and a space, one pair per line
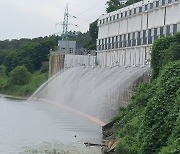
65, 23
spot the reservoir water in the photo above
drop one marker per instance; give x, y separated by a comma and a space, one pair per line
33, 127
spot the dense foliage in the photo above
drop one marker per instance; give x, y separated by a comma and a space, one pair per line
27, 52
20, 76
20, 60
113, 5
151, 123
164, 50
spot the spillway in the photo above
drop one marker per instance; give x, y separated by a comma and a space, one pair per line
94, 92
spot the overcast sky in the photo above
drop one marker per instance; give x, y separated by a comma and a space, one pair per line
34, 18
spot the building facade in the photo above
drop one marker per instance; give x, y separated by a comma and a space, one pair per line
71, 47
125, 36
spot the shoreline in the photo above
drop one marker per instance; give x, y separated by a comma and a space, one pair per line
13, 97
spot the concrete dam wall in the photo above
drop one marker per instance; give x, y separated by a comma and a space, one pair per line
85, 85
99, 85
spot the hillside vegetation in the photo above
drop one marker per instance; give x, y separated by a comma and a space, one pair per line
151, 123
24, 64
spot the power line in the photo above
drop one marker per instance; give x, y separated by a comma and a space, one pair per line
95, 5
66, 22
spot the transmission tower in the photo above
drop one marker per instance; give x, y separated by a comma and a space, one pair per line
65, 23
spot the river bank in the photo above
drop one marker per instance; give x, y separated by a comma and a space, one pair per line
13, 97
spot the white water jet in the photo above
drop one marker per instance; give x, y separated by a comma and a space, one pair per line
95, 91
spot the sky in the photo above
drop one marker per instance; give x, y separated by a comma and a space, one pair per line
35, 18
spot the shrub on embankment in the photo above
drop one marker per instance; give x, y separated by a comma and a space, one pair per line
151, 123
20, 82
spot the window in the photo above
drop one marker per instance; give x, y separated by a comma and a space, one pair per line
155, 33
149, 36
110, 19
130, 12
98, 45
146, 7
133, 39
109, 43
120, 41
162, 2
99, 42
99, 21
114, 17
106, 20
161, 32
157, 3
124, 40
106, 46
116, 43
168, 30
169, 1
138, 38
125, 14
174, 28
121, 15
117, 16
144, 40
129, 40
102, 44
112, 42
134, 10
140, 9
151, 5
103, 21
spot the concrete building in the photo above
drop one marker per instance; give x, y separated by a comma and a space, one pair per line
71, 47
125, 36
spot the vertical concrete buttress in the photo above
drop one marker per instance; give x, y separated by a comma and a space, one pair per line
56, 64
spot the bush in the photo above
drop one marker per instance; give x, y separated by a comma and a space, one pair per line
150, 124
159, 117
164, 50
20, 76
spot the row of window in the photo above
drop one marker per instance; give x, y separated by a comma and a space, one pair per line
138, 38
133, 11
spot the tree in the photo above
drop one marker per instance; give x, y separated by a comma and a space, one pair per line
3, 71
93, 30
20, 76
113, 5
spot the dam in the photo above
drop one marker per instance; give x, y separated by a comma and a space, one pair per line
99, 84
